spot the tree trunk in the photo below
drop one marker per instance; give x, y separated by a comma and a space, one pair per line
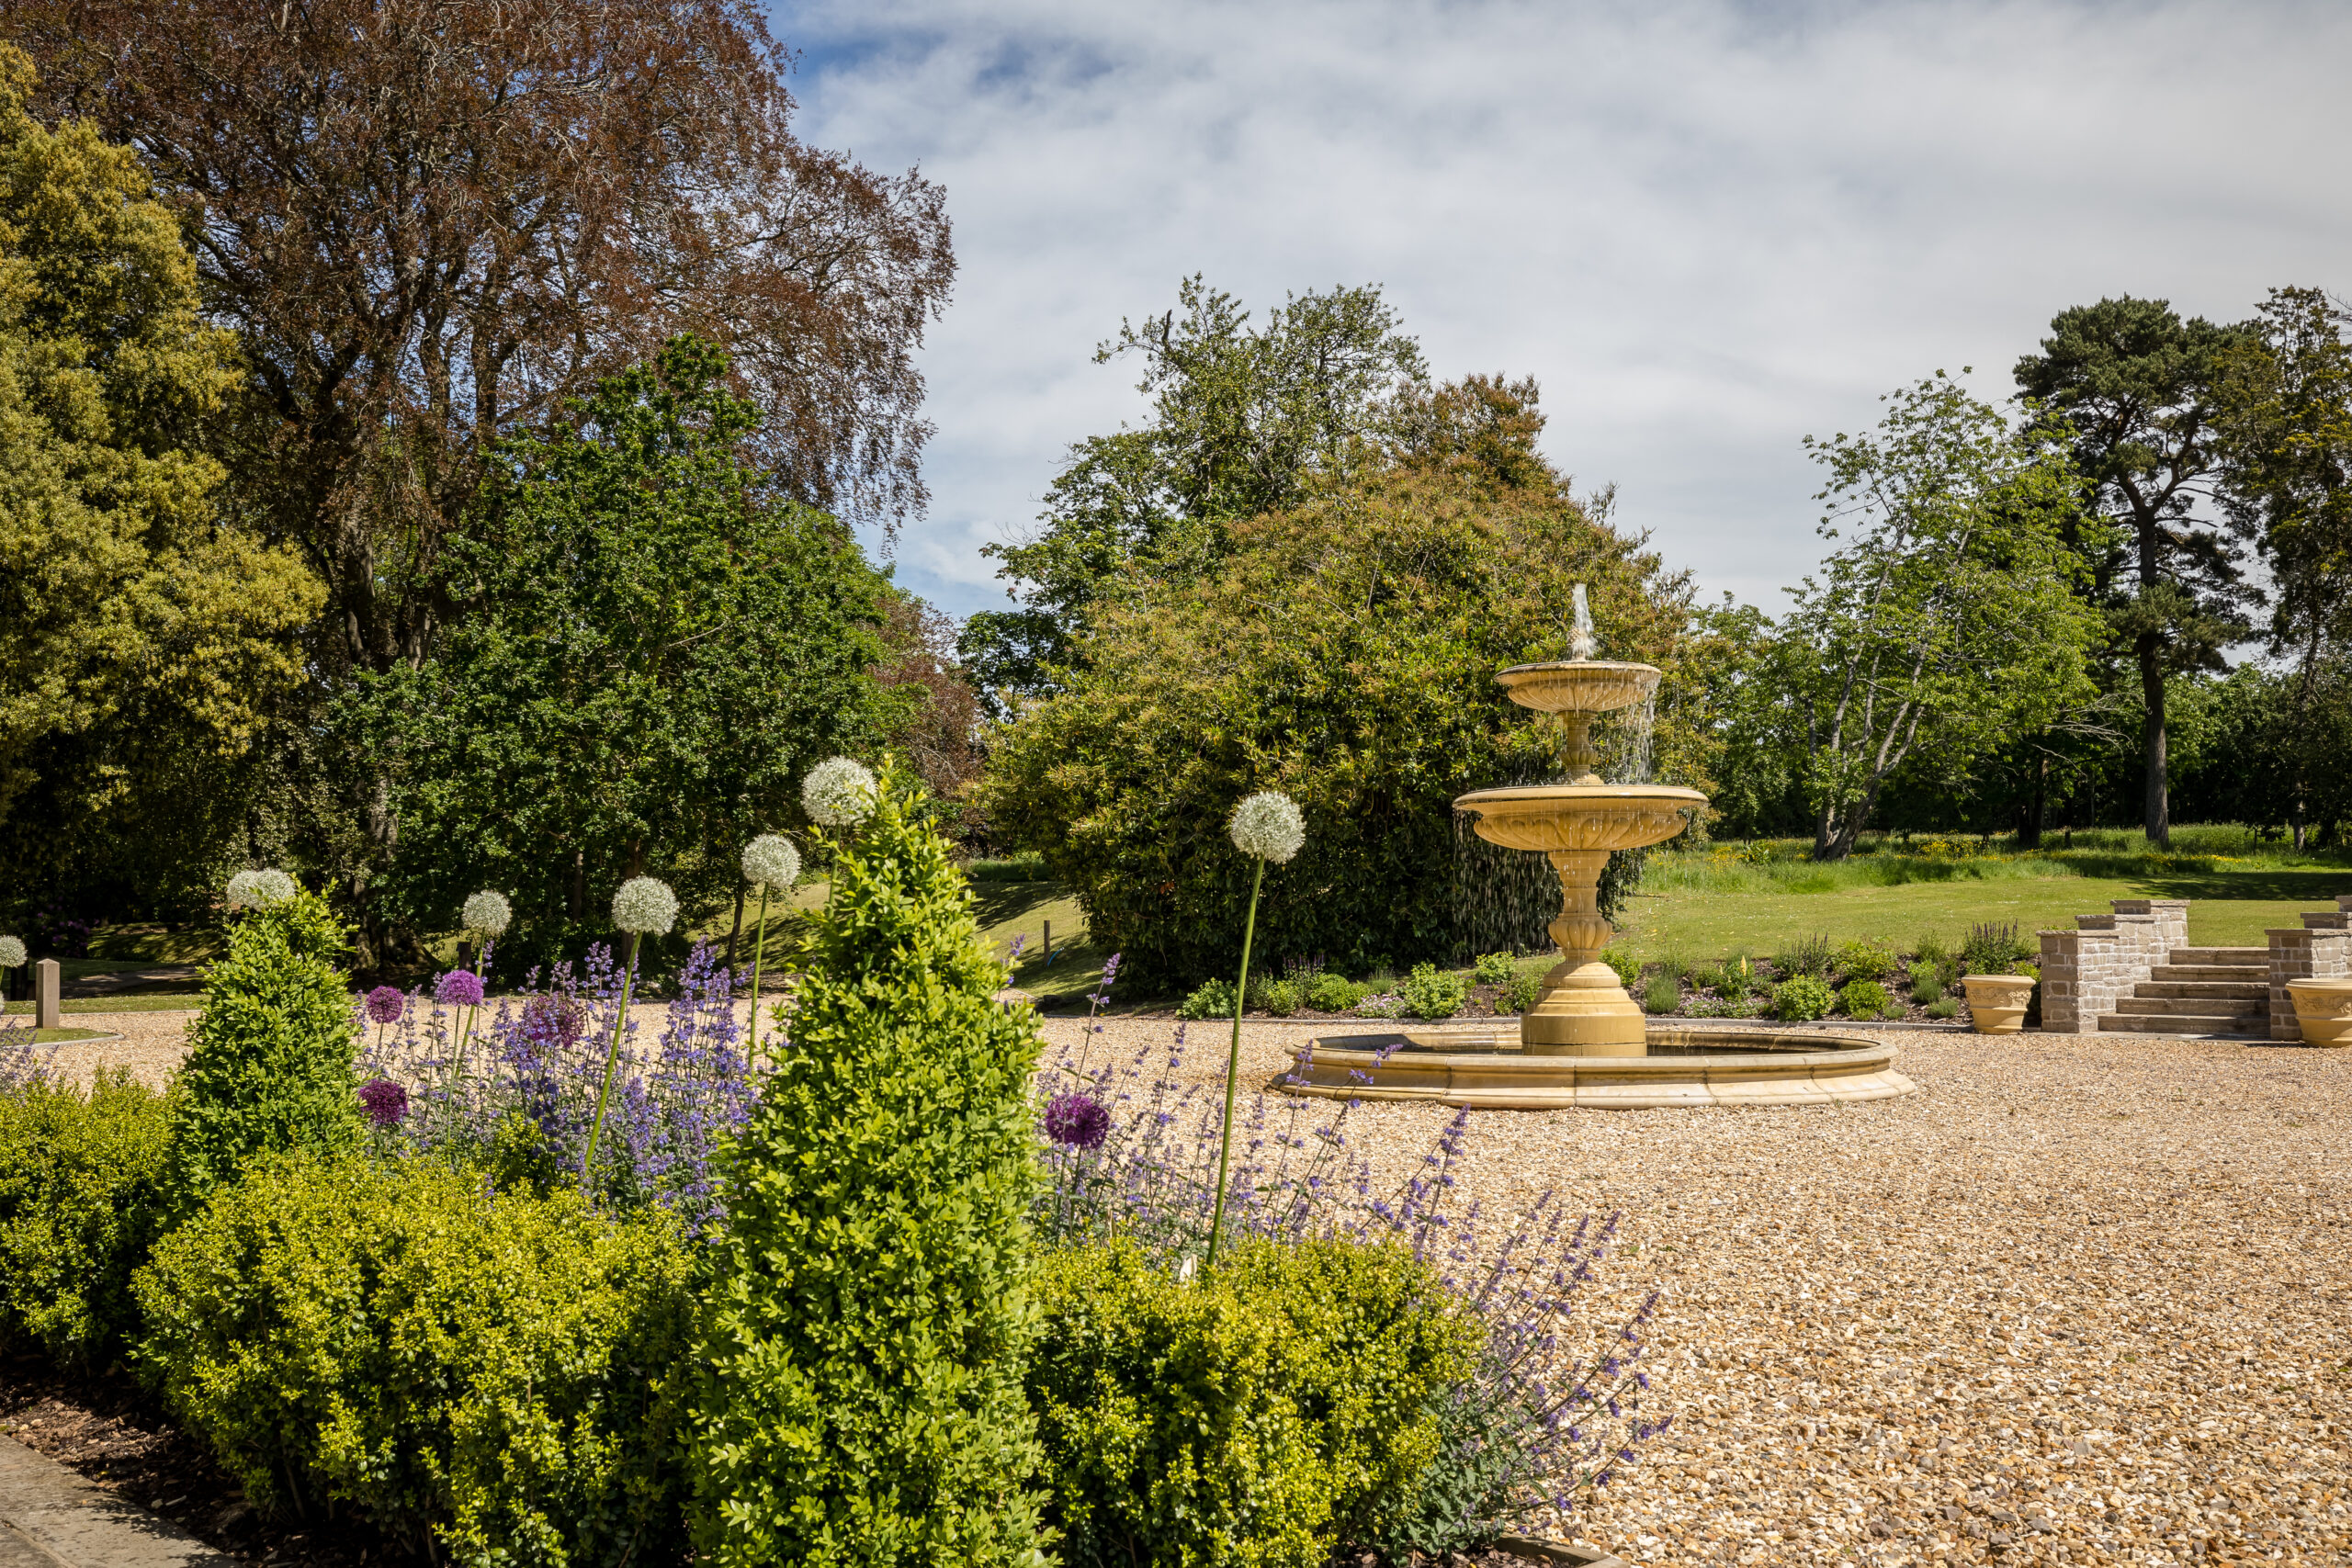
2152, 692
576, 903
2029, 827
735, 931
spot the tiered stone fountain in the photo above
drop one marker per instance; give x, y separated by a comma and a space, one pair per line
1585, 1042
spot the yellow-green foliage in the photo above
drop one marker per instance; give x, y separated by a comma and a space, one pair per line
122, 606
1865, 958
271, 1067
863, 1405
492, 1371
1259, 1418
79, 1207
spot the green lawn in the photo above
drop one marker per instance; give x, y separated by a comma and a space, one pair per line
1733, 900
147, 1002
48, 1036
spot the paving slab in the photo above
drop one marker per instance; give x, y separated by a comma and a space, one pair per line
51, 1518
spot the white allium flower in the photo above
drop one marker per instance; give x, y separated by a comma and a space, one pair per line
1268, 825
645, 904
252, 889
487, 912
12, 952
838, 792
771, 861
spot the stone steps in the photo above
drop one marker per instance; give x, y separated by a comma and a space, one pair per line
2237, 958
2191, 1007
2215, 990
2235, 1027
2239, 974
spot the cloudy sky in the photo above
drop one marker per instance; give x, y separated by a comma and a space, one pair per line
1707, 228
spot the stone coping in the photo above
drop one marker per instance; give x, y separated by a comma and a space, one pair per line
1485, 1068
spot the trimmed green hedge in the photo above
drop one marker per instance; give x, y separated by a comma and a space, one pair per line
496, 1373
80, 1179
1261, 1416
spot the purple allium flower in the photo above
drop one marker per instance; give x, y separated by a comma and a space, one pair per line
458, 988
386, 1004
384, 1101
1078, 1121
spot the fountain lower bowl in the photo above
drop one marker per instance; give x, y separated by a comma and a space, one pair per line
1482, 1065
1544, 817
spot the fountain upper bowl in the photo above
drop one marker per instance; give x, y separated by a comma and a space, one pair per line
1580, 817
1578, 685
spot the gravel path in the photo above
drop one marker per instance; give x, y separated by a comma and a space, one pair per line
2082, 1300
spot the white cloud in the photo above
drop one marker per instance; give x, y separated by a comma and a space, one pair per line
1708, 229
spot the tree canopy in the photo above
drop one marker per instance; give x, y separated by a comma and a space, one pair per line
657, 642
143, 643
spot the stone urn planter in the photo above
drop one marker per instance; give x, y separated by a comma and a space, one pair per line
1996, 1003
2324, 1009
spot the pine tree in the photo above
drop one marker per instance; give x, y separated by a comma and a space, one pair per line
862, 1399
271, 1069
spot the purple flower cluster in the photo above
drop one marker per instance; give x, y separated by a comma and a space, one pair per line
1078, 1120
458, 988
536, 1065
385, 1103
387, 1004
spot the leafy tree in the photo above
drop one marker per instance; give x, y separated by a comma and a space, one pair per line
271, 1067
655, 646
1343, 653
2134, 383
141, 644
2286, 422
862, 1403
1948, 622
437, 223
1243, 420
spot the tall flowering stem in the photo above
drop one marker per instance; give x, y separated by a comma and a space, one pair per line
642, 905
1267, 827
773, 865
759, 949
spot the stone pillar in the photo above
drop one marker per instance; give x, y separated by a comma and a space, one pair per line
2078, 977
2319, 948
47, 976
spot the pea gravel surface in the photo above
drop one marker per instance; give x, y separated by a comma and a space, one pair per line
2079, 1301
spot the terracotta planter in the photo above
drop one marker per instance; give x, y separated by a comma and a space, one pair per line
2324, 1009
1996, 1003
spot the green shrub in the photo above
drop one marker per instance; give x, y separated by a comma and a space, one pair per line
1211, 998
1948, 1008
1281, 1407
1867, 959
1931, 952
1525, 990
1431, 992
490, 1370
1494, 968
1927, 989
81, 1180
1328, 992
1663, 994
1800, 998
1864, 999
1991, 949
270, 1068
1279, 998
862, 1400
1627, 967
1806, 955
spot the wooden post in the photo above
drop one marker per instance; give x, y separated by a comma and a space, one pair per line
46, 975
1050, 944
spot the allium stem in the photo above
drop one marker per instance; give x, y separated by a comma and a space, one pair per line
612, 1057
1233, 1062
759, 945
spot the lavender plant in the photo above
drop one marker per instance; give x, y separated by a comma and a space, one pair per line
522, 1103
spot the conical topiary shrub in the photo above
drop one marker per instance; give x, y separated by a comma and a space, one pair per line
862, 1398
271, 1066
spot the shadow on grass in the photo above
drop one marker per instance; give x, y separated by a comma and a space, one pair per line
996, 902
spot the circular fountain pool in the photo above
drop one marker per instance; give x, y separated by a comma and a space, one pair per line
1482, 1064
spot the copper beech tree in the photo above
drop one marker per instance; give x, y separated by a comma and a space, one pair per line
434, 221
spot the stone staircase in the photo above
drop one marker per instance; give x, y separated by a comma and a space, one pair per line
2198, 990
